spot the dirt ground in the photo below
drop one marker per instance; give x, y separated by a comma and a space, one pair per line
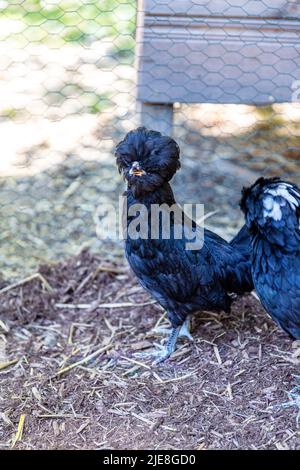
75, 374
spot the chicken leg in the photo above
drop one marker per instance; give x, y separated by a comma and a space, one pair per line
186, 329
170, 346
183, 330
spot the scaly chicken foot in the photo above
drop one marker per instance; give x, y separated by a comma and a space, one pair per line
170, 346
174, 333
185, 330
294, 400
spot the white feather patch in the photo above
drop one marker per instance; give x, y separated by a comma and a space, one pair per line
297, 194
272, 208
283, 192
268, 203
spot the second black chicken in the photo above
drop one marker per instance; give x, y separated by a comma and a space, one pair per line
182, 280
272, 211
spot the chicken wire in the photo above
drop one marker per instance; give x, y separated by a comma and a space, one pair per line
68, 87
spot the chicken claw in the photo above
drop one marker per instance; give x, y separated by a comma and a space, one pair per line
170, 346
185, 329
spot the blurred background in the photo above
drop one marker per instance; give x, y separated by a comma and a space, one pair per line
67, 96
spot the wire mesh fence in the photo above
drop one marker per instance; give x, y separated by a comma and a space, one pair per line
68, 87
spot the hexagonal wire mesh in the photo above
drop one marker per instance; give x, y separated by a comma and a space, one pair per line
68, 91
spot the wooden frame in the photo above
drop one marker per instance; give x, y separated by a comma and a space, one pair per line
218, 51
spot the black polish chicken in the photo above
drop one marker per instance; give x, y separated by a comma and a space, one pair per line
182, 280
272, 211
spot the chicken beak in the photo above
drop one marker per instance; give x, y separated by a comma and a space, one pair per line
136, 170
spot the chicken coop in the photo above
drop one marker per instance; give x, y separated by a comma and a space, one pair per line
222, 78
236, 52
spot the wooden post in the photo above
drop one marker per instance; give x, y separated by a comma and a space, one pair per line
158, 117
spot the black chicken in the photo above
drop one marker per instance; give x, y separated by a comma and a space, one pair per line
272, 211
181, 280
